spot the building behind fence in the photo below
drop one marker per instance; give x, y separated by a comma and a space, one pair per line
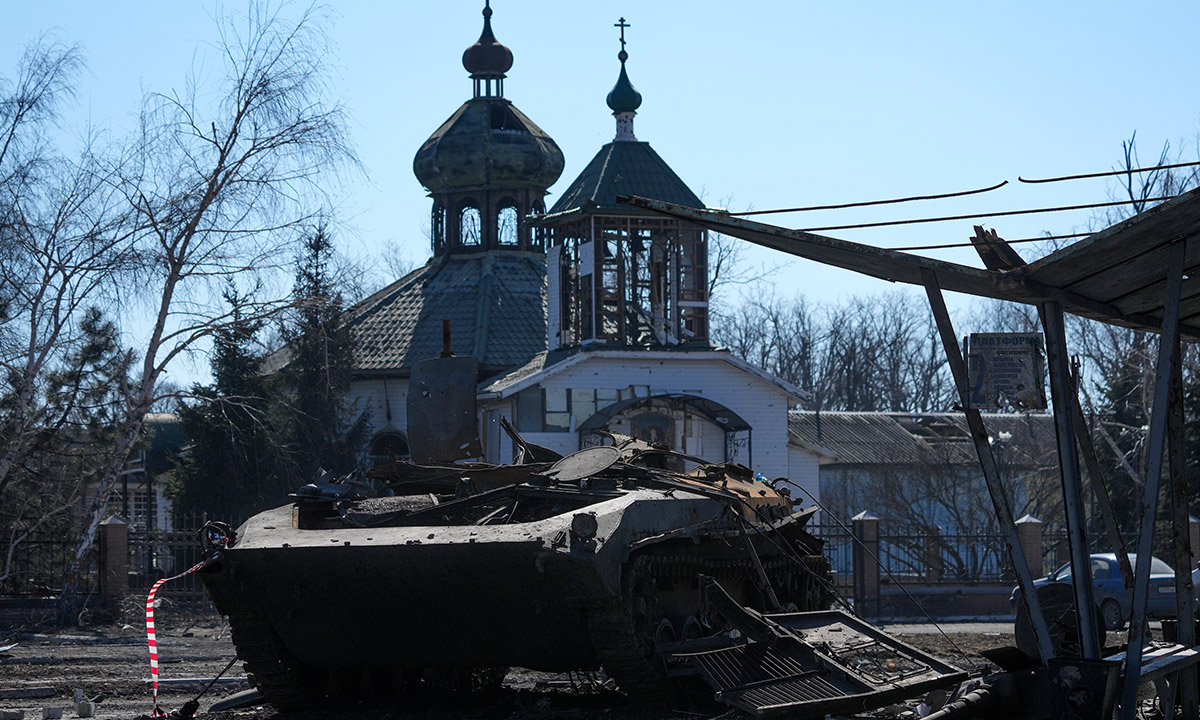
884, 575
125, 560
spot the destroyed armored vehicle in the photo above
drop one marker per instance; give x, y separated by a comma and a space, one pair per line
460, 571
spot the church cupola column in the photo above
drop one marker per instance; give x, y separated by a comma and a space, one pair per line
624, 99
488, 166
487, 60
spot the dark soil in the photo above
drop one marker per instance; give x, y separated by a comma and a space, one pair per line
111, 662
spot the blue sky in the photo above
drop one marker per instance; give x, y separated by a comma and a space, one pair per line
755, 104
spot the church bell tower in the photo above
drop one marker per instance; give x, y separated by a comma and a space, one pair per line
617, 275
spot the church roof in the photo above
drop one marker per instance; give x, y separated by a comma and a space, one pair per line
891, 439
625, 168
488, 142
496, 304
547, 364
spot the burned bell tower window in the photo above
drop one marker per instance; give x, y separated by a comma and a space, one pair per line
437, 226
469, 226
506, 224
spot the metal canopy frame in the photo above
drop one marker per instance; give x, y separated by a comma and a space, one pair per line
1143, 273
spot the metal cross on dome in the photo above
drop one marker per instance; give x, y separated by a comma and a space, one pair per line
622, 24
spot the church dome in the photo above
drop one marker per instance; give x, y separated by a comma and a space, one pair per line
624, 97
487, 58
488, 142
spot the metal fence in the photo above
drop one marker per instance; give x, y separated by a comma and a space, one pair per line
38, 565
839, 548
157, 554
921, 557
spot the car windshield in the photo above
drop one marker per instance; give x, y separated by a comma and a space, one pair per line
1101, 571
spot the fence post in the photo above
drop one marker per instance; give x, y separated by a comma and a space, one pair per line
1029, 532
114, 560
1062, 551
933, 554
1194, 536
866, 564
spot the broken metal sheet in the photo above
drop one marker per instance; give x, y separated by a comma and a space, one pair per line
808, 664
442, 424
1115, 276
1006, 370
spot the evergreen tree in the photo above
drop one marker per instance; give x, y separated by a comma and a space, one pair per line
229, 468
326, 432
77, 409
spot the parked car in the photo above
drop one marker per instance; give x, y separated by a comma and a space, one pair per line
1109, 591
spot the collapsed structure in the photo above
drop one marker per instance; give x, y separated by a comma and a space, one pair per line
1140, 273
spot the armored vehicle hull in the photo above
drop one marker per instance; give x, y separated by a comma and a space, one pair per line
329, 597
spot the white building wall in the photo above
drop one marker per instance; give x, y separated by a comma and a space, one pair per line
763, 405
553, 296
497, 445
805, 476
374, 395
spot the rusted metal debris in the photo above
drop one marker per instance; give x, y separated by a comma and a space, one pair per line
806, 664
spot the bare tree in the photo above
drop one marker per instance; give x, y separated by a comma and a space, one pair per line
727, 264
872, 353
59, 256
221, 191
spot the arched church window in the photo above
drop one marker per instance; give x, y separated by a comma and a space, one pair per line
387, 448
469, 225
437, 225
506, 223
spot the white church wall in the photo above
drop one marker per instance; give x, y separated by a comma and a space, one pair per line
375, 395
712, 442
763, 405
497, 445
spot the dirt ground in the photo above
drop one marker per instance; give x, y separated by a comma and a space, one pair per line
110, 662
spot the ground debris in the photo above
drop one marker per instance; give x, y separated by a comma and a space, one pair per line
26, 693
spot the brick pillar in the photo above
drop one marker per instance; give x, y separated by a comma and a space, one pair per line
933, 554
866, 564
1029, 532
114, 560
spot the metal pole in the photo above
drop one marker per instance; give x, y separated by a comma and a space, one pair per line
1158, 421
1072, 483
1099, 486
1185, 602
987, 462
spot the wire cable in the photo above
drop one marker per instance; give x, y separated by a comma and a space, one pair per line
1003, 213
1111, 173
894, 579
868, 203
794, 556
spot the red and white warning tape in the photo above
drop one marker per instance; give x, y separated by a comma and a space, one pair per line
150, 628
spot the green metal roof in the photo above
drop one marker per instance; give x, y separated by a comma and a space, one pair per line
488, 142
624, 97
625, 168
496, 303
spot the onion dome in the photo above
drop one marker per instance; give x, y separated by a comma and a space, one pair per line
624, 97
487, 58
488, 142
